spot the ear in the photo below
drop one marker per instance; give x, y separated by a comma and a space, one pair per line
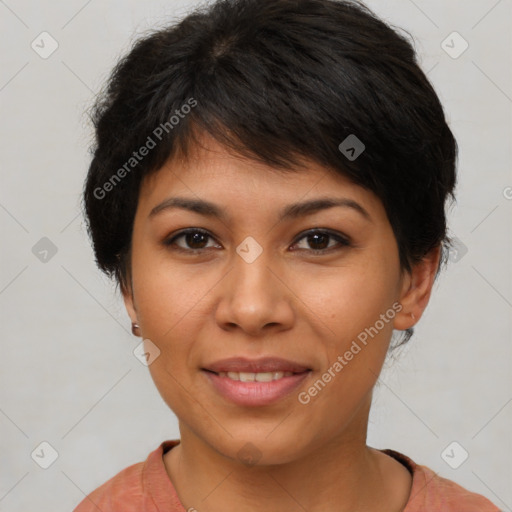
129, 302
416, 289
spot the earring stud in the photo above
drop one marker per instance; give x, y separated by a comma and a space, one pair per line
135, 329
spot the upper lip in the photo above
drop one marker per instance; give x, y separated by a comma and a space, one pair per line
265, 364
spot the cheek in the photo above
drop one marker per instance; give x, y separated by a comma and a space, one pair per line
168, 296
353, 308
348, 300
355, 315
173, 306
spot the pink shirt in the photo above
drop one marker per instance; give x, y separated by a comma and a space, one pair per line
146, 487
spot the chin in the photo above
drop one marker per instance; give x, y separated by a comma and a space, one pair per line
256, 447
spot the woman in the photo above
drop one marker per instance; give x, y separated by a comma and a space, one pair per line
268, 188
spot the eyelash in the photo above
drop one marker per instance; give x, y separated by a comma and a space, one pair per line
343, 241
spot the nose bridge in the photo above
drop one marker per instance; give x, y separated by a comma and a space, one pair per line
253, 297
251, 273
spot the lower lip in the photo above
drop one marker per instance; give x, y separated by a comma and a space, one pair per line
253, 394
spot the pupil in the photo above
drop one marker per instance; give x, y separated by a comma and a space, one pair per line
316, 236
193, 238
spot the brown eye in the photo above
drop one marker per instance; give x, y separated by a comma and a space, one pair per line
318, 241
194, 240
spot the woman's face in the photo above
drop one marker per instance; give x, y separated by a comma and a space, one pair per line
254, 283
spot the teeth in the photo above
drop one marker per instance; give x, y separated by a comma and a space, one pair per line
255, 377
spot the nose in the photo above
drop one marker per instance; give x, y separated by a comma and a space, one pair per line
255, 298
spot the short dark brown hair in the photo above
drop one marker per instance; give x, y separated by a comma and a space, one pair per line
274, 80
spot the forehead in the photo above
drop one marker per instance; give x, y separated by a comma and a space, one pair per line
212, 169
242, 192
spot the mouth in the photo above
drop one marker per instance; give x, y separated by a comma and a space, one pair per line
243, 365
253, 383
255, 377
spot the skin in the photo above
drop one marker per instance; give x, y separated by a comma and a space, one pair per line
200, 307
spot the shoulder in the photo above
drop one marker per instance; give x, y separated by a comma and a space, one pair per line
444, 494
125, 488
128, 490
432, 493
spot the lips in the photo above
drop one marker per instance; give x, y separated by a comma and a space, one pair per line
263, 365
255, 382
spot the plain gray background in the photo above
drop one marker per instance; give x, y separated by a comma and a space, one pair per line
68, 373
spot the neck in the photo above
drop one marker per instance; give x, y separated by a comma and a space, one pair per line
342, 475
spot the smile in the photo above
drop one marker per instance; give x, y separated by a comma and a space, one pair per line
255, 377
247, 389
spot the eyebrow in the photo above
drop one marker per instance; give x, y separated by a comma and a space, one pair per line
291, 211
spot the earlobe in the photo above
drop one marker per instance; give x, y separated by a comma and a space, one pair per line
132, 311
129, 304
416, 290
